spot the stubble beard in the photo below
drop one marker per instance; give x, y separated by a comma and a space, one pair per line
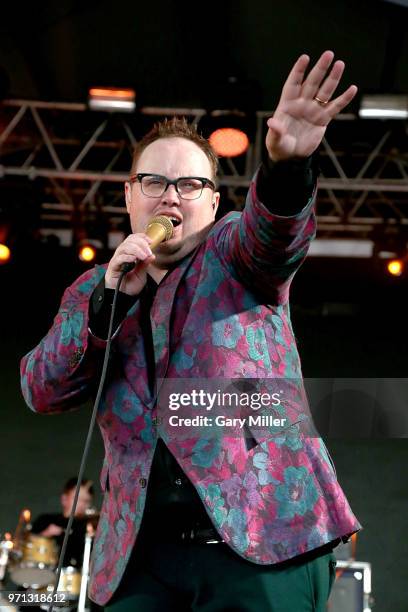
168, 254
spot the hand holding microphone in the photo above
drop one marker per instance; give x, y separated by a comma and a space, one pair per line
135, 254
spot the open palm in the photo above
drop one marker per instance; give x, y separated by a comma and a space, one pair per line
305, 108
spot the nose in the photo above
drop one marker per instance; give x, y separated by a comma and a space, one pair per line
170, 196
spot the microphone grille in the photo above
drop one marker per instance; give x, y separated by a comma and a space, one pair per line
164, 222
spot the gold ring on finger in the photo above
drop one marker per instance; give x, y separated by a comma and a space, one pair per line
321, 102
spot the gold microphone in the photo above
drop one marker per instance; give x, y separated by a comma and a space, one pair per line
159, 229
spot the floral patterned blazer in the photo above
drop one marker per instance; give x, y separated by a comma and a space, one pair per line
222, 313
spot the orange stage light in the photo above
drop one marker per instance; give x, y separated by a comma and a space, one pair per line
5, 254
87, 253
112, 99
229, 142
395, 267
111, 92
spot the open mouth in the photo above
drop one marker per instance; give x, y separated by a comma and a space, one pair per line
175, 222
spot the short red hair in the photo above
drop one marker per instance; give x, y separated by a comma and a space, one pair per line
176, 128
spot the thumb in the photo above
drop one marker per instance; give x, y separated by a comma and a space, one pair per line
275, 127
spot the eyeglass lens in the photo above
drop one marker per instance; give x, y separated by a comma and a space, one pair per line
188, 188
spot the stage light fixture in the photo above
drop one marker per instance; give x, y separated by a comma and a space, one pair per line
391, 250
111, 99
384, 106
229, 132
87, 252
5, 254
229, 142
395, 267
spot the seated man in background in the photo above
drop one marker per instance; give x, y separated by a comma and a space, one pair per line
53, 525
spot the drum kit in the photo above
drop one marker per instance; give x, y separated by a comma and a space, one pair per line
29, 561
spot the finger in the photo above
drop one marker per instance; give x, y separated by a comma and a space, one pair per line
337, 105
317, 75
293, 83
144, 236
276, 127
329, 85
124, 258
127, 256
138, 249
138, 239
133, 258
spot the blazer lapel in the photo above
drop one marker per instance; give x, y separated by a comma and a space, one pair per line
160, 316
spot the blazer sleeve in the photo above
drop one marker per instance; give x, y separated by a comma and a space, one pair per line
263, 250
61, 372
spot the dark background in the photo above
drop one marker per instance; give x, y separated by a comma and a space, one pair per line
349, 319
176, 54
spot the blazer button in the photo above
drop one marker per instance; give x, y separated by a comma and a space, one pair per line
142, 482
76, 357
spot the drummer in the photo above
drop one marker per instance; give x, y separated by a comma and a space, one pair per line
54, 525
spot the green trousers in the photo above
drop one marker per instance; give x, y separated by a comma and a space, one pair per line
185, 577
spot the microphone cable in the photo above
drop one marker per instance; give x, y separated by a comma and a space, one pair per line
124, 270
159, 229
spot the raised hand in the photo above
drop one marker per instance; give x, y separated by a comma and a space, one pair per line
306, 108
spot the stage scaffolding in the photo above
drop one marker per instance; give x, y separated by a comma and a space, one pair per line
72, 162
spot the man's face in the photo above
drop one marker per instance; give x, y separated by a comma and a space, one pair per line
84, 502
173, 158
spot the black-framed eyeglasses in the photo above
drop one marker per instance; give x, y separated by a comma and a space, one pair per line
188, 187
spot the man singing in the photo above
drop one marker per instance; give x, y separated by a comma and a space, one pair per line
224, 522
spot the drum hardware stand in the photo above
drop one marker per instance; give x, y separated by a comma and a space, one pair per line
90, 532
23, 526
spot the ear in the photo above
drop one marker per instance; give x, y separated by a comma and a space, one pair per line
216, 201
128, 195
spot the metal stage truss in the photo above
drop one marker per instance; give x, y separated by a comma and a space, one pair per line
70, 163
